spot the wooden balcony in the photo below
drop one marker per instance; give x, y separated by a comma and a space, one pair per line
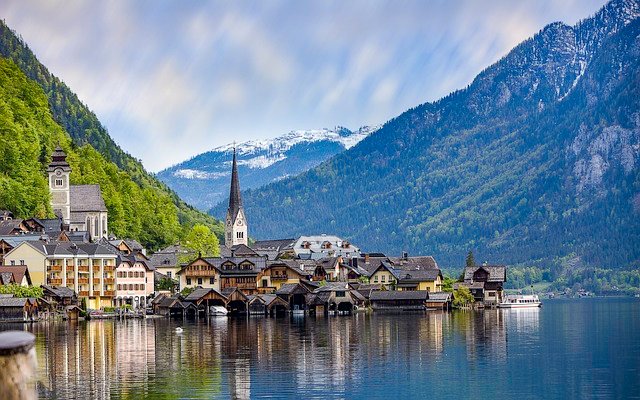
279, 277
241, 286
83, 293
109, 268
55, 268
96, 281
83, 268
109, 293
83, 281
70, 281
109, 281
69, 268
209, 274
55, 281
96, 293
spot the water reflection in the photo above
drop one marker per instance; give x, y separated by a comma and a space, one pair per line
365, 355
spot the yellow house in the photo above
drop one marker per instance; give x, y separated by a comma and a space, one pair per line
407, 277
33, 255
200, 272
279, 272
383, 275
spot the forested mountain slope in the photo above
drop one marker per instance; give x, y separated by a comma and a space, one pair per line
538, 158
38, 110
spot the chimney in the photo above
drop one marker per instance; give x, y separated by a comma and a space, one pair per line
366, 258
405, 255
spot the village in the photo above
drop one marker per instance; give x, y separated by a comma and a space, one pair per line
83, 271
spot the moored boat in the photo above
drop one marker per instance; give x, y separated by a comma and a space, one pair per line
520, 301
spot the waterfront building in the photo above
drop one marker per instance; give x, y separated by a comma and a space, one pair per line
280, 272
81, 207
485, 283
222, 273
321, 246
399, 300
135, 280
17, 309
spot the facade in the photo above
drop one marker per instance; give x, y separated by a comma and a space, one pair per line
135, 281
81, 207
485, 283
31, 254
167, 260
280, 272
235, 227
321, 246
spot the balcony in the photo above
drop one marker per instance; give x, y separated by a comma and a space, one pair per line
96, 281
70, 281
96, 293
279, 277
55, 268
83, 268
55, 281
242, 286
109, 293
83, 293
109, 281
69, 268
83, 281
109, 268
200, 273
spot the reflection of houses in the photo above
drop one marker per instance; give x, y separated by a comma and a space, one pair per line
399, 300
485, 283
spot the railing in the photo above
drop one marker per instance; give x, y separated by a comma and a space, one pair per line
96, 270
109, 268
245, 286
83, 293
83, 280
83, 268
96, 281
96, 293
69, 268
200, 273
279, 277
70, 281
55, 281
109, 281
110, 293
55, 268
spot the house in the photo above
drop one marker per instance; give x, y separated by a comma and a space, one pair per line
440, 300
279, 272
220, 273
204, 298
135, 280
33, 254
275, 249
20, 274
59, 297
321, 246
81, 207
334, 296
294, 294
384, 275
485, 283
168, 261
399, 300
17, 309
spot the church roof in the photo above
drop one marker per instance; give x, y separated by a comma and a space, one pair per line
86, 198
58, 160
235, 201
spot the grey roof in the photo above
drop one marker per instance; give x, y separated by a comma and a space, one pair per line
135, 258
73, 248
332, 287
292, 288
267, 298
6, 278
390, 295
133, 244
316, 244
423, 262
497, 273
276, 244
259, 263
13, 301
10, 226
199, 293
14, 240
59, 291
52, 225
421, 275
58, 160
440, 296
85, 198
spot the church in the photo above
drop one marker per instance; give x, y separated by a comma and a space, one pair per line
81, 207
235, 227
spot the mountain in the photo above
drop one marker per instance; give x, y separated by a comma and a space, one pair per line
537, 160
203, 181
38, 110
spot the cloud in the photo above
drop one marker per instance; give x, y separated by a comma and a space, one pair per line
171, 80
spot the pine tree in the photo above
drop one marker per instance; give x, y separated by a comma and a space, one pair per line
471, 262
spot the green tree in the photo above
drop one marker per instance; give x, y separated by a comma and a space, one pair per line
470, 261
447, 284
462, 297
166, 283
201, 241
21, 291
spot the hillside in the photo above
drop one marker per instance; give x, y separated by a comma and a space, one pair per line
537, 160
203, 181
40, 110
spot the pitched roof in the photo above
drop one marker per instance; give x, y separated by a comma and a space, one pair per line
18, 272
13, 301
86, 198
199, 293
235, 201
332, 287
391, 295
59, 291
7, 278
497, 273
292, 288
58, 160
440, 296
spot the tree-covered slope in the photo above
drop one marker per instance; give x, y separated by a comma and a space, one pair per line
140, 206
538, 158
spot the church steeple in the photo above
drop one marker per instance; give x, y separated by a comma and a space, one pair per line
59, 170
235, 224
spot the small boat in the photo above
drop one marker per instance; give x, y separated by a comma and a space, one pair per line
218, 311
178, 330
520, 301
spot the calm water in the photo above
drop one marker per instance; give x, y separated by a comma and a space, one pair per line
576, 349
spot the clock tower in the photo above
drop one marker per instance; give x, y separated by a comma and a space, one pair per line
59, 171
235, 225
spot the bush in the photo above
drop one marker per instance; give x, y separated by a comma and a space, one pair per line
462, 297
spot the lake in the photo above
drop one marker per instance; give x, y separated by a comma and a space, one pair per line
578, 349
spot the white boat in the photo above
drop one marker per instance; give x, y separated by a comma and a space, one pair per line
520, 301
218, 310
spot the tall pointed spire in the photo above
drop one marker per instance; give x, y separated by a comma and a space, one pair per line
235, 201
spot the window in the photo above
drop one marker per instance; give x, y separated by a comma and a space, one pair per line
119, 287
131, 286
130, 274
240, 235
384, 278
13, 262
188, 281
199, 281
168, 274
21, 262
211, 280
137, 286
375, 279
340, 294
58, 182
264, 283
492, 294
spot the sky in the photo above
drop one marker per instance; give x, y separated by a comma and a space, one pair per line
172, 79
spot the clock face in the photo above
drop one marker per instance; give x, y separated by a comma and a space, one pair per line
239, 222
58, 172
